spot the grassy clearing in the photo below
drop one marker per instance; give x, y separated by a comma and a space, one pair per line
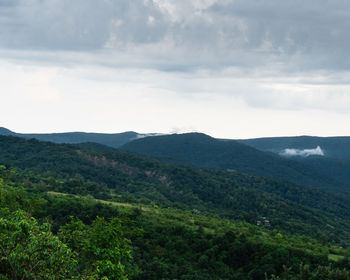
118, 204
219, 226
335, 258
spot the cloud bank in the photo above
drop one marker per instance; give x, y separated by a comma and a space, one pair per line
303, 153
181, 35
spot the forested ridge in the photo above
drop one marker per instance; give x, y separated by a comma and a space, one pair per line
334, 147
205, 151
111, 139
335, 161
112, 215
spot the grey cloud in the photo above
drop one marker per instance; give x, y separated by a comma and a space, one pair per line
183, 35
8, 3
77, 25
311, 33
54, 25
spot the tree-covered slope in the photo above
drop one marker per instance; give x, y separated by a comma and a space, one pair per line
205, 151
119, 176
99, 240
334, 161
333, 147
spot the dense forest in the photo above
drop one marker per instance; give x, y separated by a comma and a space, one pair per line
90, 212
334, 147
205, 151
334, 163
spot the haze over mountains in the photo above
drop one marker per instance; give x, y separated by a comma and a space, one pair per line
114, 140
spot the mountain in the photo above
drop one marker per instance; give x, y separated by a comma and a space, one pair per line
329, 155
124, 177
332, 147
113, 140
316, 161
5, 131
205, 151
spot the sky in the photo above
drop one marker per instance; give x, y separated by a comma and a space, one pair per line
228, 68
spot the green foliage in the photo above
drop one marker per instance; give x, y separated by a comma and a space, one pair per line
59, 209
30, 251
14, 198
176, 244
179, 245
103, 251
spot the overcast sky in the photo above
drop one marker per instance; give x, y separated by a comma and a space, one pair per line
228, 68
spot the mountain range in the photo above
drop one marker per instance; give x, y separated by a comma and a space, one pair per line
332, 147
189, 204
199, 149
118, 175
295, 159
328, 155
114, 140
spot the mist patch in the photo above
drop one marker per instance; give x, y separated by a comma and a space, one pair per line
302, 153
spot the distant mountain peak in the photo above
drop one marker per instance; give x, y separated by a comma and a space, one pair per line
5, 131
114, 140
189, 135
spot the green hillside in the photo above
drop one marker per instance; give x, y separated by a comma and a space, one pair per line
333, 147
335, 163
205, 151
95, 212
147, 242
122, 177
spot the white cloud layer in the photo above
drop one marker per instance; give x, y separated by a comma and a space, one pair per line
303, 153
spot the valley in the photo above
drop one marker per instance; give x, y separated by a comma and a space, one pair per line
191, 205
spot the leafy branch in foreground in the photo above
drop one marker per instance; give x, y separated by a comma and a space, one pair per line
30, 251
